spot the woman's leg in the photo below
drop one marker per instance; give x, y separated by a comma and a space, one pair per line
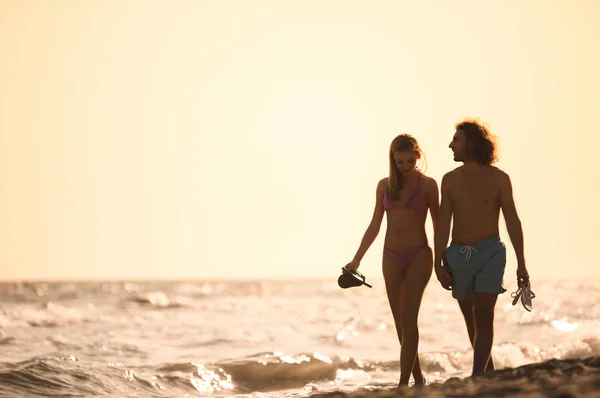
394, 283
417, 276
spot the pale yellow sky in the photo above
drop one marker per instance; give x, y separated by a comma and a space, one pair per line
221, 139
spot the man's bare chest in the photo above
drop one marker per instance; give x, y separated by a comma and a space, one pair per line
475, 194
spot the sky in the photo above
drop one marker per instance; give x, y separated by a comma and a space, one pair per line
244, 139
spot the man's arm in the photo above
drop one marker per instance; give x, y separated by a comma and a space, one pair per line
442, 234
513, 224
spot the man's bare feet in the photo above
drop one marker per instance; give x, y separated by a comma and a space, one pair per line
420, 381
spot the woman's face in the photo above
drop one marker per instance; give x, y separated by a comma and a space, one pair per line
406, 161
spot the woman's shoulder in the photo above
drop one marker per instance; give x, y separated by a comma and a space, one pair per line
382, 185
429, 181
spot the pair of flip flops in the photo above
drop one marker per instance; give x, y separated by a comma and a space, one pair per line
352, 278
526, 295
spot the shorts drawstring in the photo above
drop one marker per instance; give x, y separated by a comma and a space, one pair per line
468, 249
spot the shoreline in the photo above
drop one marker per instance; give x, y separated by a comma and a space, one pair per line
552, 378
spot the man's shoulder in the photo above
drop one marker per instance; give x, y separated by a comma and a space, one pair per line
498, 173
451, 175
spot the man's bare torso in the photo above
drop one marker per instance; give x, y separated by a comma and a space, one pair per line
475, 196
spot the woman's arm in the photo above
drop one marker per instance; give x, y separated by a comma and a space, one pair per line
374, 226
434, 202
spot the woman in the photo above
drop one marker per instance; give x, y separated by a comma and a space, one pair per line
406, 196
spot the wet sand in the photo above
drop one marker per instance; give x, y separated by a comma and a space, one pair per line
553, 378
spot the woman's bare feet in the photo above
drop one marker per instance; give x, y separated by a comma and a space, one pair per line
420, 381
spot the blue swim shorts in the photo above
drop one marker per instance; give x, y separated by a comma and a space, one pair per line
477, 268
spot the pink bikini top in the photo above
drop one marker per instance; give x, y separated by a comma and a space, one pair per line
414, 201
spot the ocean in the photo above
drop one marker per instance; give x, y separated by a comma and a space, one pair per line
296, 338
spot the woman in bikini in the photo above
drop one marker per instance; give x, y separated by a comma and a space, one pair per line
406, 196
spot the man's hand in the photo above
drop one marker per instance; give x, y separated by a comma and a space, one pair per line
444, 274
522, 276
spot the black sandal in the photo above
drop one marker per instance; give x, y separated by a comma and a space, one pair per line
352, 278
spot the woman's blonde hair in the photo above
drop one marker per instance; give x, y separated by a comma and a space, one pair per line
403, 142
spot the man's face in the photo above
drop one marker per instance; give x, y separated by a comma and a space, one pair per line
459, 146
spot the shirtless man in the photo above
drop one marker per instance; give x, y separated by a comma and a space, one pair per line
473, 265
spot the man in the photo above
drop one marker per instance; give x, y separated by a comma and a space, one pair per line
473, 265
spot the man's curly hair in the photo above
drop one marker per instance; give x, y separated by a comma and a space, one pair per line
483, 144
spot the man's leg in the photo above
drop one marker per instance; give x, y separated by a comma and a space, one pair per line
488, 284
467, 307
484, 330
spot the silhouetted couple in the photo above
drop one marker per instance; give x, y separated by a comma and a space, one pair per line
472, 266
